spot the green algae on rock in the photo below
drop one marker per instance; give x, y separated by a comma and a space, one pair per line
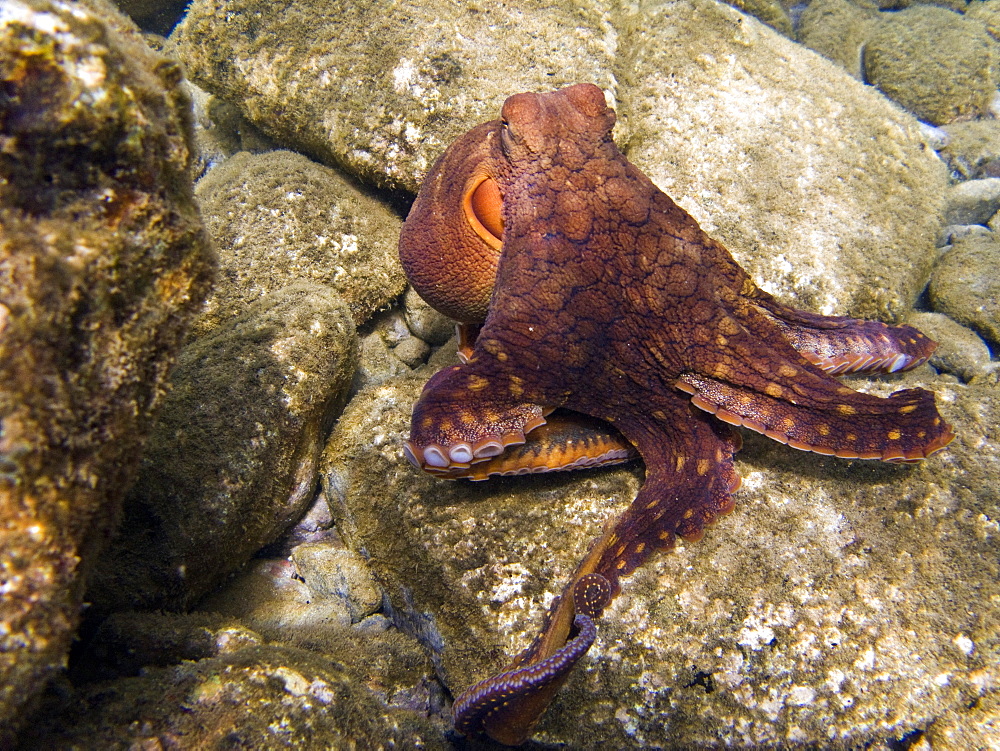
378, 88
103, 259
935, 63
278, 217
257, 697
838, 30
824, 191
231, 462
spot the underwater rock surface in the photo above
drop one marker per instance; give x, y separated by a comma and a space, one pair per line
231, 462
831, 604
103, 259
278, 217
821, 188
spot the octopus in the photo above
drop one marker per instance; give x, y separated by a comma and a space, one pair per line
599, 322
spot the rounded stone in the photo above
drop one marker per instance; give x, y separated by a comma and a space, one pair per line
933, 62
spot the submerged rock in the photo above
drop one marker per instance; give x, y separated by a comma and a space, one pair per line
937, 64
381, 88
965, 285
231, 463
255, 697
813, 613
103, 259
277, 218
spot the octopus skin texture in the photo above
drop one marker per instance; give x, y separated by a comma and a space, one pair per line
599, 322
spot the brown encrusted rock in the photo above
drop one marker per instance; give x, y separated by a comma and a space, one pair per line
257, 697
824, 610
935, 63
103, 259
838, 30
231, 462
965, 285
381, 88
278, 217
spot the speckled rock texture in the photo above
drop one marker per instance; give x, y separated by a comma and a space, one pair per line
381, 88
278, 217
232, 460
103, 259
806, 175
249, 696
973, 150
841, 603
936, 63
821, 189
838, 30
961, 351
965, 285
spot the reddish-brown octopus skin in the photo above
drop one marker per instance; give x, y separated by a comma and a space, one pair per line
598, 294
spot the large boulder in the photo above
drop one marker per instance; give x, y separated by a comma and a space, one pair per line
103, 259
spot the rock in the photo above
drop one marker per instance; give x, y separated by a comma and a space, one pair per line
425, 322
769, 12
278, 217
257, 697
960, 351
973, 201
270, 597
987, 11
965, 285
332, 572
381, 89
838, 30
935, 63
774, 151
103, 260
231, 463
973, 150
812, 614
820, 188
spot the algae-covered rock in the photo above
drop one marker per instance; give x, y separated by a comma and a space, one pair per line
965, 285
770, 12
103, 260
935, 63
806, 175
973, 149
826, 193
824, 610
258, 697
382, 88
278, 217
232, 460
838, 30
960, 351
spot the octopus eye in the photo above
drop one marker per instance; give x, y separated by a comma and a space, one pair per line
483, 206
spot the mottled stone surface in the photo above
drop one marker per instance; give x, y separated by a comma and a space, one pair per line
103, 259
961, 351
966, 287
254, 697
838, 30
821, 189
973, 201
382, 87
973, 149
232, 460
278, 217
934, 62
842, 602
